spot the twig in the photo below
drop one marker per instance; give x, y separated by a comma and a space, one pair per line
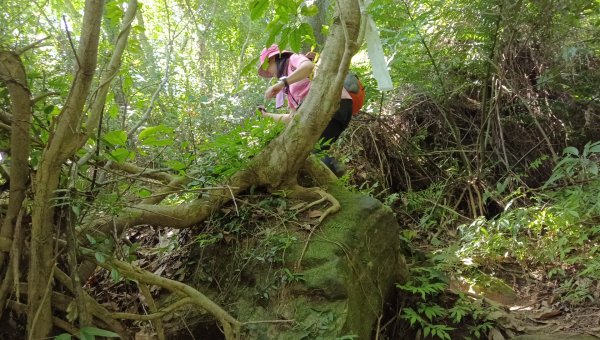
335, 207
42, 96
30, 46
158, 324
267, 321
231, 326
233, 199
71, 42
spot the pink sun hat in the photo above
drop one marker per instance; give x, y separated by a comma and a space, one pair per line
266, 54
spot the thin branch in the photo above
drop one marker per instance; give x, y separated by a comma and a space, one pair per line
71, 42
156, 314
30, 46
42, 96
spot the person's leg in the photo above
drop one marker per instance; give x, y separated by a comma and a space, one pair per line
332, 132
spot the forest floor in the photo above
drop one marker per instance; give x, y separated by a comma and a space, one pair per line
535, 307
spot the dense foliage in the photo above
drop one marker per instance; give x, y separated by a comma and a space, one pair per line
487, 149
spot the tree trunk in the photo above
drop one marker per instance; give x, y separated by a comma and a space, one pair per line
68, 137
12, 73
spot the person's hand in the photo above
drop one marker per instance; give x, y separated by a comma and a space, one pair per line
273, 90
261, 109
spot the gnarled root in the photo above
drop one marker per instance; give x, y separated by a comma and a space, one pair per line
299, 192
318, 195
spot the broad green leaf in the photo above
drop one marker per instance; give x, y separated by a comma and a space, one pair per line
100, 257
143, 193
273, 32
48, 109
63, 336
258, 8
115, 275
571, 151
595, 148
156, 136
295, 40
593, 168
120, 155
118, 137
113, 111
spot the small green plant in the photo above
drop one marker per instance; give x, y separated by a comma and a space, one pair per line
437, 313
576, 165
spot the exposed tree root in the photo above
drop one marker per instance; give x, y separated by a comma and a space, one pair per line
299, 192
231, 326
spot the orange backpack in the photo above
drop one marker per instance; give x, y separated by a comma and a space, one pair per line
356, 90
352, 84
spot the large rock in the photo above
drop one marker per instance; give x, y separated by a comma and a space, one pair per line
349, 268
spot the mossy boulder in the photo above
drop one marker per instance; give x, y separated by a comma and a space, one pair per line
285, 282
347, 270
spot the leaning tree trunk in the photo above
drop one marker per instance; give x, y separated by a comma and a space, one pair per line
277, 166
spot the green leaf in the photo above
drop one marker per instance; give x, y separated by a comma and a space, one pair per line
113, 111
117, 137
593, 168
143, 193
63, 336
48, 109
115, 275
176, 165
295, 40
571, 151
91, 239
309, 11
94, 331
595, 147
273, 32
120, 155
100, 257
258, 8
156, 136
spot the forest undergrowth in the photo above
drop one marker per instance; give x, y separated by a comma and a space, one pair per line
506, 251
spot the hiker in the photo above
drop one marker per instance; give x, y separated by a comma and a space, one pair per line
293, 71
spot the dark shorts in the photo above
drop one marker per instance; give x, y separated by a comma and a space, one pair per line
338, 123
